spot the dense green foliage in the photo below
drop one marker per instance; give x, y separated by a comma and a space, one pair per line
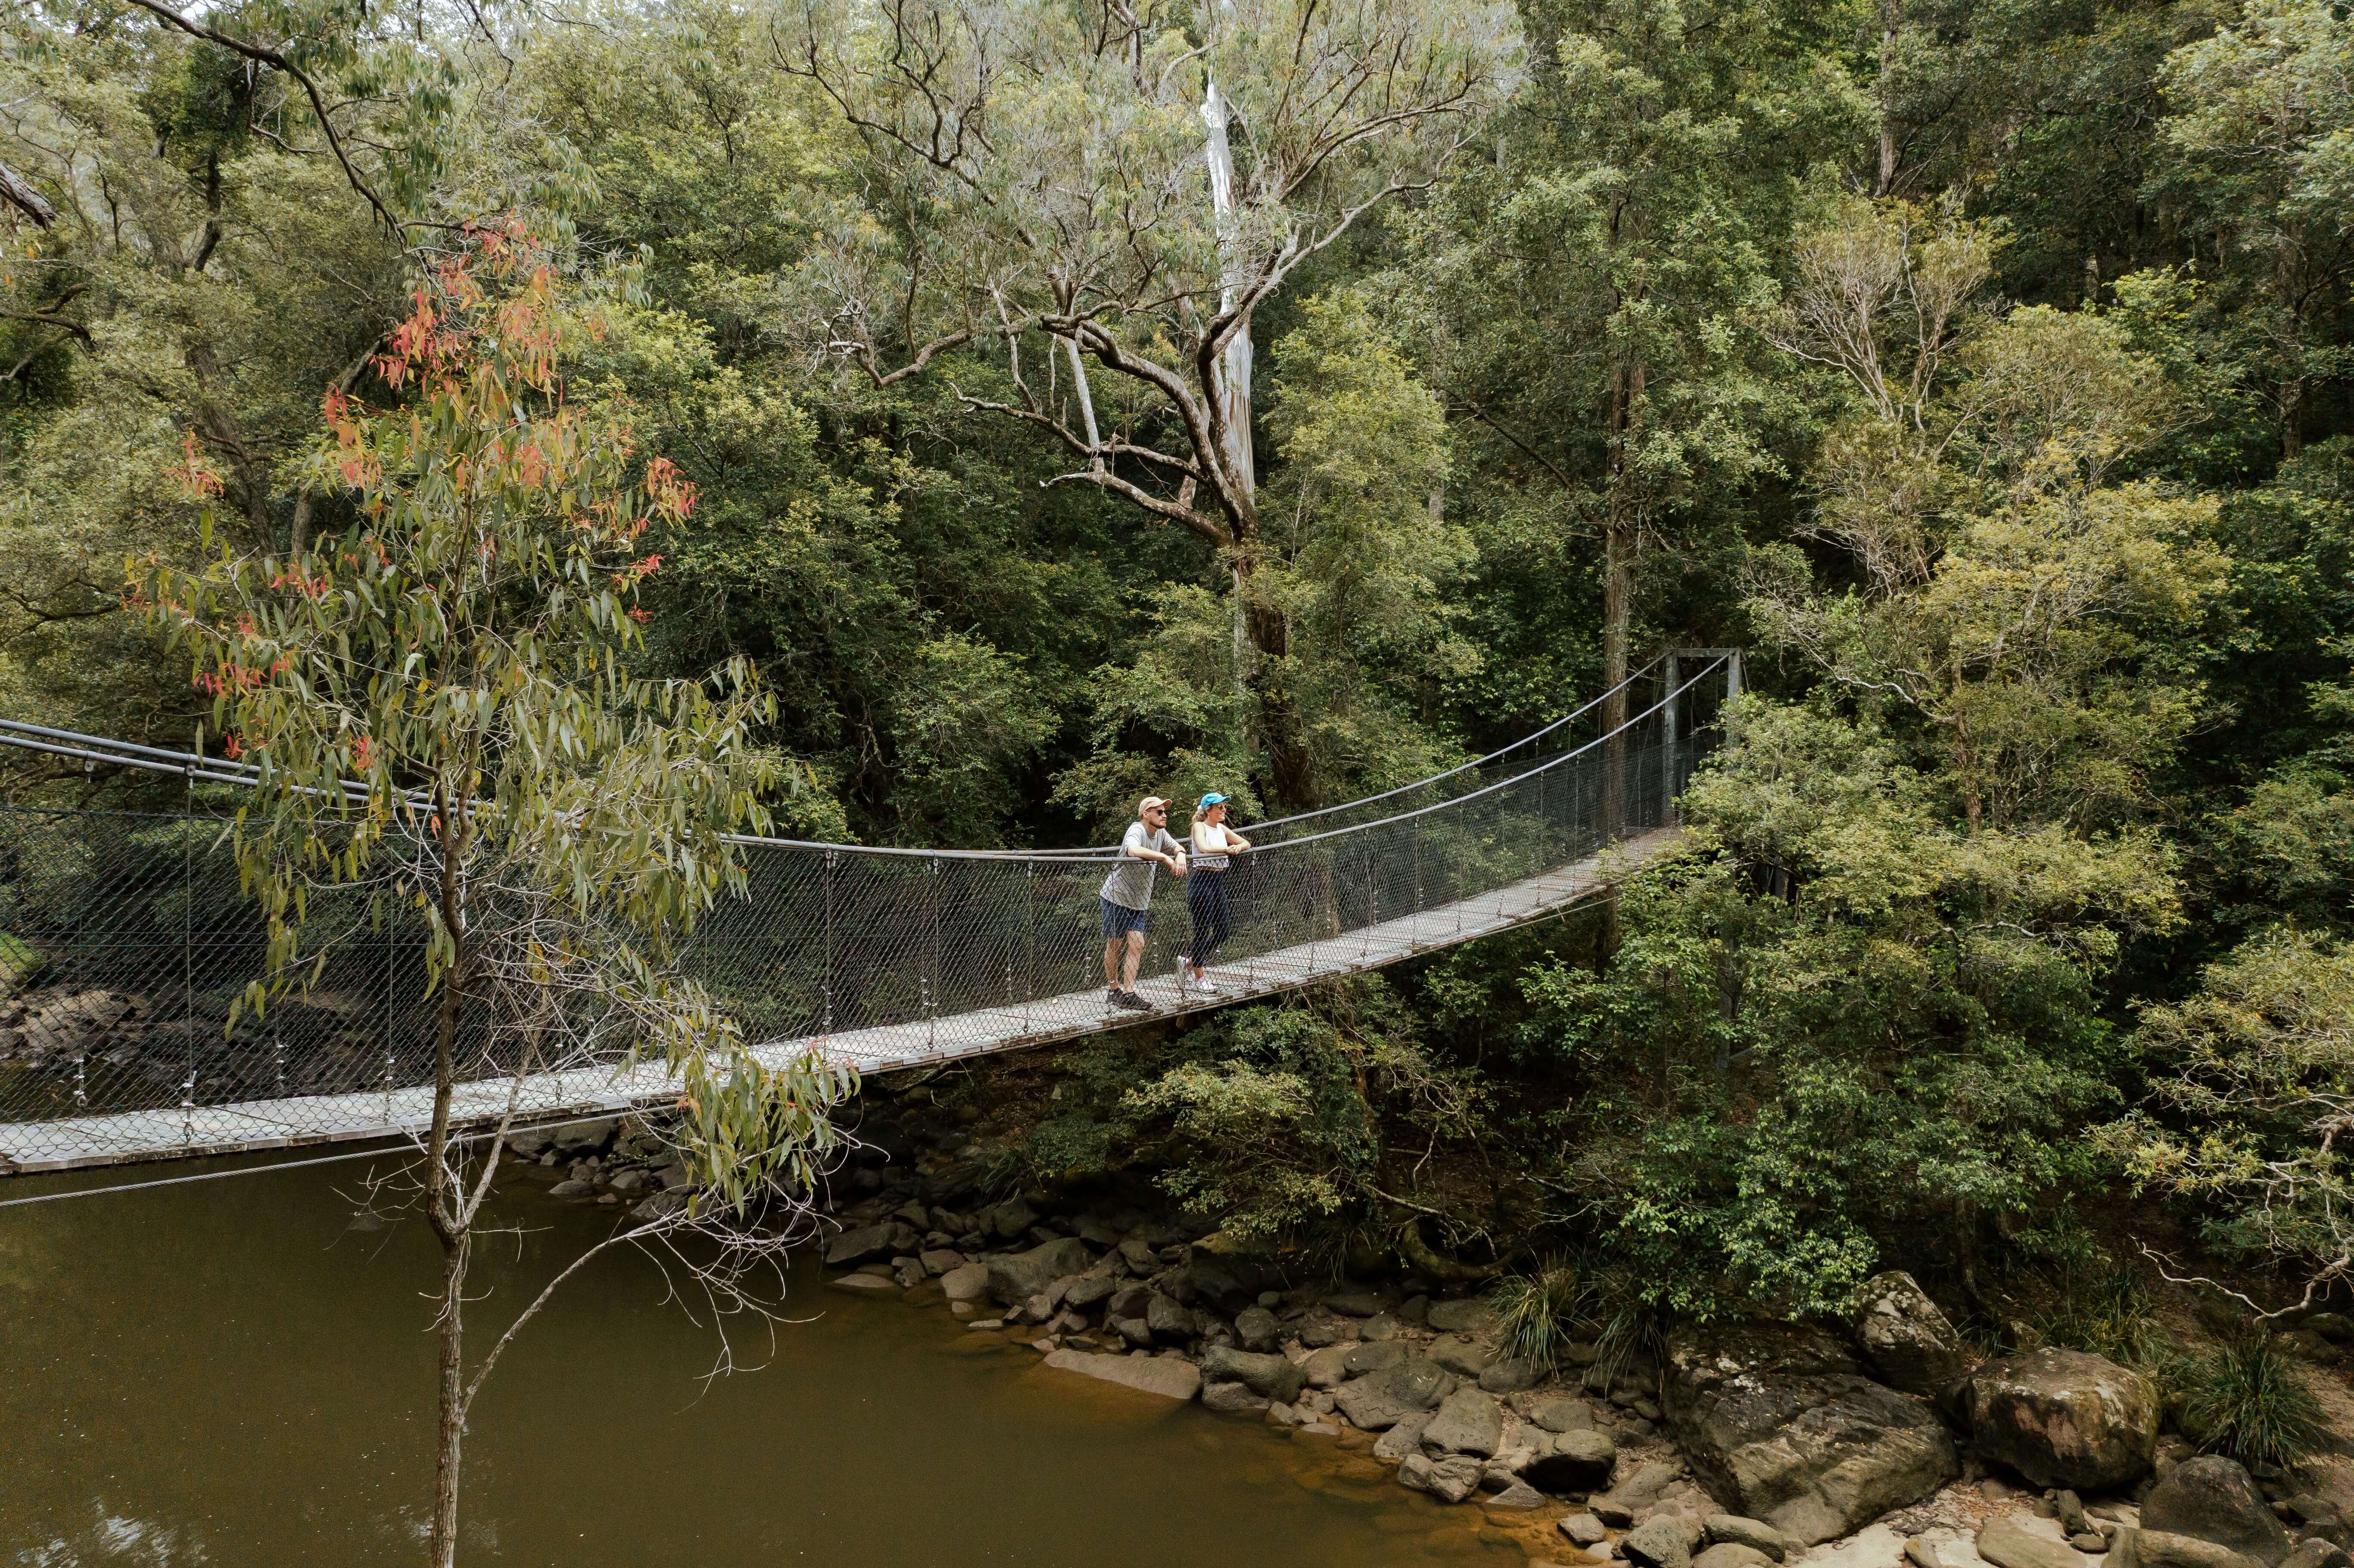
1985, 370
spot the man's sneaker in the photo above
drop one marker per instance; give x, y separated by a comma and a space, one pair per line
1204, 985
1129, 1000
1111, 996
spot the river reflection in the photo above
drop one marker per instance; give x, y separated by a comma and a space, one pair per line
232, 1373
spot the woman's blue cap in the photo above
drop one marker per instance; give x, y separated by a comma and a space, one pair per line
1212, 799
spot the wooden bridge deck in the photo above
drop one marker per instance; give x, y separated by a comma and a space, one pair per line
132, 1135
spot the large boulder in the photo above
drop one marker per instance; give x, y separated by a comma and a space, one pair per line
1382, 1399
2164, 1549
1014, 1278
1779, 1422
1468, 1422
868, 1242
2212, 1498
2004, 1542
1165, 1375
2063, 1418
1663, 1540
1908, 1340
1571, 1462
1269, 1377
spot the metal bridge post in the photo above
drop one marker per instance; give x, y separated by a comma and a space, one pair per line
1668, 742
932, 978
188, 954
825, 976
1029, 938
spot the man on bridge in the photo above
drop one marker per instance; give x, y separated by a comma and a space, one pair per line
1126, 899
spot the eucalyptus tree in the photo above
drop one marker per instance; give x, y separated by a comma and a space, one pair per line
1106, 197
2261, 136
441, 701
1592, 283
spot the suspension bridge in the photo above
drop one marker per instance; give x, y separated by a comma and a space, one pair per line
125, 942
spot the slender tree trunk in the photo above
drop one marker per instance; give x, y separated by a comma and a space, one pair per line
2292, 385
445, 1199
1887, 181
1617, 598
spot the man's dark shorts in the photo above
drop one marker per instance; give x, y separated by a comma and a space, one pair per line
1118, 919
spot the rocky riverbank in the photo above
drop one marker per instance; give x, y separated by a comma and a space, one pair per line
1880, 1443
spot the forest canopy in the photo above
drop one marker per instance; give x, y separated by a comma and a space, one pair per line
1086, 399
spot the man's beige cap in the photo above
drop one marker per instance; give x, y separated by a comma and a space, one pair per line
1148, 802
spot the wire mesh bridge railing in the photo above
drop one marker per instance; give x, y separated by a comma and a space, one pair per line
125, 942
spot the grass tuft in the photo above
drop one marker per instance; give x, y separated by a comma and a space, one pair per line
2246, 1400
1538, 1314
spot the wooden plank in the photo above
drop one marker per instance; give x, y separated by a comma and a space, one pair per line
407, 1113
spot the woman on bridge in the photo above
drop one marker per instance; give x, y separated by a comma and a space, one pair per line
1206, 897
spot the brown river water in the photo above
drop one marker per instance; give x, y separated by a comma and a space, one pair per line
233, 1372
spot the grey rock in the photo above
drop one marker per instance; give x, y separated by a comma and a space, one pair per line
868, 1242
1170, 1323
1094, 1231
1360, 1359
585, 1136
1573, 1462
1414, 1472
1454, 1478
1561, 1413
2314, 1552
1663, 1540
660, 1206
1733, 1554
1257, 1329
1139, 1255
1354, 1303
1089, 1289
1721, 1528
1010, 1220
1168, 1376
576, 1188
1269, 1377
1584, 1529
1128, 1300
938, 1261
1017, 1277
1632, 1495
1230, 1397
1906, 1336
1470, 1317
2212, 1498
1468, 1422
907, 1272
1779, 1422
2164, 1549
1381, 1400
1403, 1439
2006, 1544
1415, 1311
1037, 1310
1510, 1374
864, 1282
630, 1182
1327, 1368
1518, 1495
2063, 1418
1321, 1329
1380, 1326
1466, 1358
1135, 1332
968, 1282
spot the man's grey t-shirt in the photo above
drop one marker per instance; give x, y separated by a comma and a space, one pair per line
1129, 885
